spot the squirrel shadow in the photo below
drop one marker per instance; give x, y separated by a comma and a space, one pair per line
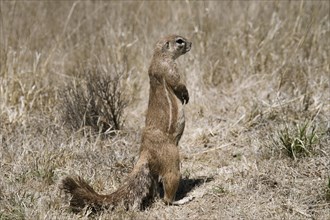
186, 185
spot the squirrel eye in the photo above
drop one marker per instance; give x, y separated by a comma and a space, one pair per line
179, 41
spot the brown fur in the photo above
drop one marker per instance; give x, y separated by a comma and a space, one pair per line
159, 154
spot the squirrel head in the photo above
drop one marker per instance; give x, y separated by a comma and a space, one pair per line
173, 46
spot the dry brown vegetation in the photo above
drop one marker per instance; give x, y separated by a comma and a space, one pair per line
257, 122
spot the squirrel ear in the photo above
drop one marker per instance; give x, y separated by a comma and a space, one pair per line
167, 45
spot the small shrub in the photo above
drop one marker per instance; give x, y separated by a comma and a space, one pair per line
97, 102
299, 141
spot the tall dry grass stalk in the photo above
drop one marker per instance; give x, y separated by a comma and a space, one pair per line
255, 68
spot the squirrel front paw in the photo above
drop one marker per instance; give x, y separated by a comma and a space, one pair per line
182, 93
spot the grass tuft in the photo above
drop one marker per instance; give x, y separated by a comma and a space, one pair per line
300, 140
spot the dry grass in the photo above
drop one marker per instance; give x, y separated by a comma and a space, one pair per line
258, 72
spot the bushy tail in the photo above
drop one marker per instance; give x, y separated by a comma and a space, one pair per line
82, 194
137, 192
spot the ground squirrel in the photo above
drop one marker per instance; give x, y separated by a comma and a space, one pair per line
159, 154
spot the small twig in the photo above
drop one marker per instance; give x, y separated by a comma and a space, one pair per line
302, 213
183, 201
